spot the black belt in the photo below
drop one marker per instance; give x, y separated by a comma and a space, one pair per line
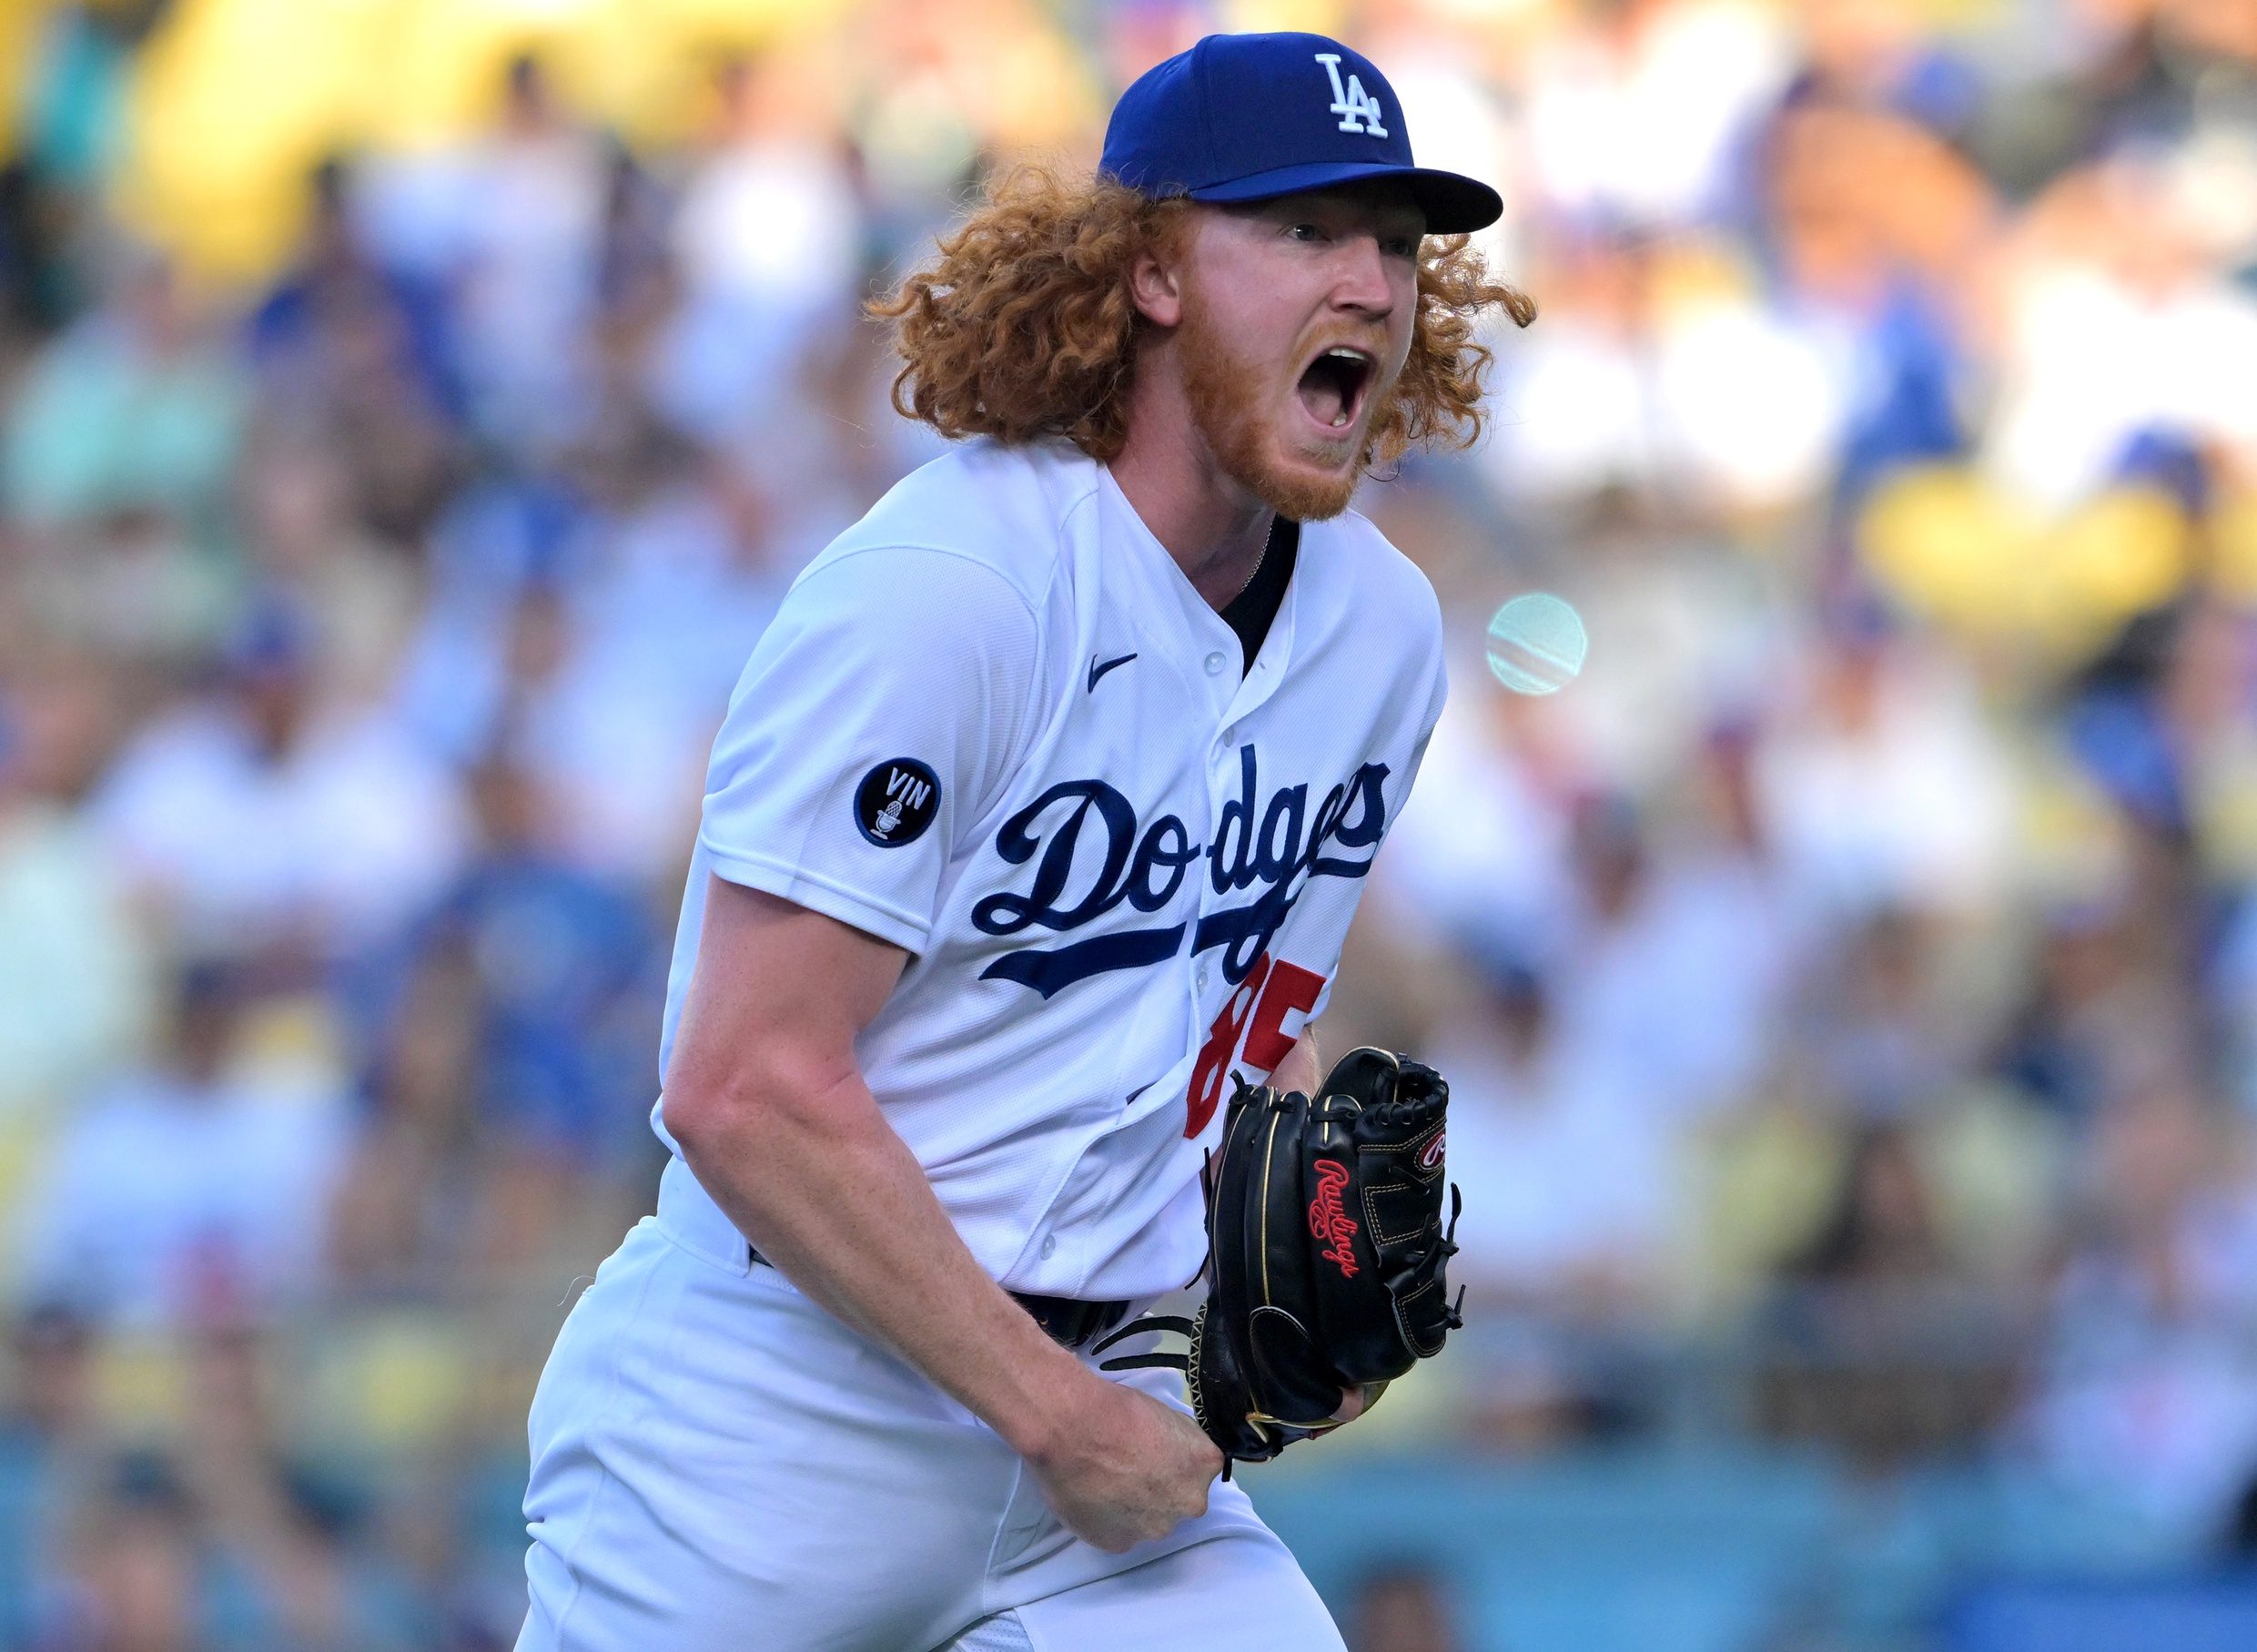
1065, 1322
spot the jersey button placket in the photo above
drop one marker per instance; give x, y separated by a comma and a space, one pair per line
1223, 782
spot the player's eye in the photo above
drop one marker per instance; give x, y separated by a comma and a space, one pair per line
1304, 232
1400, 245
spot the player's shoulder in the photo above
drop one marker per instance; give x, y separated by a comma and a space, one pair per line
1373, 579
980, 505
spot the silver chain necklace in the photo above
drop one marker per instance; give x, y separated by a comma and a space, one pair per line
1248, 583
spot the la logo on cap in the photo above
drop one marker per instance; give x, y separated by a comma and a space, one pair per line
1358, 110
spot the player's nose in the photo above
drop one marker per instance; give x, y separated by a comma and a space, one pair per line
1359, 280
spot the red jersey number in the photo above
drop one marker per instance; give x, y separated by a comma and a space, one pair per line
1255, 1011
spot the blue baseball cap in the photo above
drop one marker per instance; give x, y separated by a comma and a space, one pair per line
1247, 117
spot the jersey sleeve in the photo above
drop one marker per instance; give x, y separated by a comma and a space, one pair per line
1437, 695
876, 719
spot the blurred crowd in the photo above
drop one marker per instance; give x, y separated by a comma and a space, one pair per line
1849, 985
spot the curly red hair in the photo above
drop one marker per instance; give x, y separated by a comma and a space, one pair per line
1024, 327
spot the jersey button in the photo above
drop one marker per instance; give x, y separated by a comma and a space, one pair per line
1202, 977
1214, 663
1049, 1246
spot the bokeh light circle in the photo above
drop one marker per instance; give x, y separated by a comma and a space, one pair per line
1537, 643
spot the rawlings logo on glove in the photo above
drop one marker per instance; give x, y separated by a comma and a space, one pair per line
1328, 1221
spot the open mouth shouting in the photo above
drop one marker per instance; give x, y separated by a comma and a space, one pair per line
1332, 386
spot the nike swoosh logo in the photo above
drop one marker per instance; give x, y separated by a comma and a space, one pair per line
1097, 670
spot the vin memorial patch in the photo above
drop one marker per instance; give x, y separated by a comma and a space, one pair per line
896, 801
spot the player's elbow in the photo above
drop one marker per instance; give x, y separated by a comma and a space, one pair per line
691, 1118
764, 1095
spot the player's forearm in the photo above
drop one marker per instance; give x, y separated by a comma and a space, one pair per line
831, 1195
1300, 1070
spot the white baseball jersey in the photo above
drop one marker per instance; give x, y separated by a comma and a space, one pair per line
995, 724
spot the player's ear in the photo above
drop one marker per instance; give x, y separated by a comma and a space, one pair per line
1155, 284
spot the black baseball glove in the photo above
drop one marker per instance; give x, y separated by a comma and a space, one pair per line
1325, 1253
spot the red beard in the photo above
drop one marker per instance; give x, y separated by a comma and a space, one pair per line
1224, 386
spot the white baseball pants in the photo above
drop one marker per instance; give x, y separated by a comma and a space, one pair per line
718, 1463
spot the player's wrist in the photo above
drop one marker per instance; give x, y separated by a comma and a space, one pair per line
1051, 1414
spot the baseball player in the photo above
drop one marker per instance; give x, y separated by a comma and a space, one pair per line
1040, 810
